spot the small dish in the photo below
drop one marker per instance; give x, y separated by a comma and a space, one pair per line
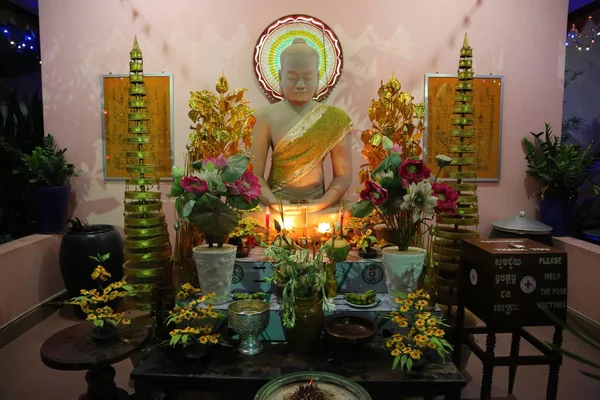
363, 305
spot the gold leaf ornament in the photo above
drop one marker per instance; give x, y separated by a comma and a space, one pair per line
222, 85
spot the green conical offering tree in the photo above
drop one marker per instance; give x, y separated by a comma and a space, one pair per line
147, 246
451, 230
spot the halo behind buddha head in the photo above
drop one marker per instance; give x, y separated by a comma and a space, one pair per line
299, 47
282, 35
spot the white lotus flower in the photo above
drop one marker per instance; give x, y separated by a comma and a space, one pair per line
213, 179
419, 199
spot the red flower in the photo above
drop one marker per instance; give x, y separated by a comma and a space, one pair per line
194, 185
374, 193
446, 198
247, 187
413, 171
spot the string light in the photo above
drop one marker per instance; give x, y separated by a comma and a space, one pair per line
24, 44
577, 38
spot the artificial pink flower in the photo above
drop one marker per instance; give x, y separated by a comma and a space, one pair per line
446, 198
396, 148
219, 162
374, 193
247, 186
194, 185
414, 171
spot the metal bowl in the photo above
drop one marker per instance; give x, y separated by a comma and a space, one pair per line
249, 318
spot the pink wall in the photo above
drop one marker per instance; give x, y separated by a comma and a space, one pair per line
32, 261
196, 40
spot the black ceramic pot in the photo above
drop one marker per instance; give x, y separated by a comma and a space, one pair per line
367, 254
76, 266
106, 334
190, 354
50, 205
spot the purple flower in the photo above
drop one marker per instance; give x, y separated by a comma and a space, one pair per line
194, 185
374, 193
247, 187
219, 162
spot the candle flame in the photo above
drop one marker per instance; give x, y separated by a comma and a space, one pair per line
324, 227
311, 382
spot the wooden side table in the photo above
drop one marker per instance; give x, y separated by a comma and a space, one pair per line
73, 349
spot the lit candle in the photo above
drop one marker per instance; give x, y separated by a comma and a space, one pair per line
268, 219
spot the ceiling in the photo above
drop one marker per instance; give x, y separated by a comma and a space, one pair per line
29, 5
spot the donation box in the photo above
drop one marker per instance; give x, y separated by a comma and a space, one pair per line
507, 282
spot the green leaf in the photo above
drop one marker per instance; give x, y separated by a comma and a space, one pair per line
409, 363
362, 208
239, 203
99, 322
212, 216
387, 143
577, 357
197, 164
179, 206
184, 338
390, 163
176, 189
235, 168
94, 258
188, 206
404, 357
395, 364
590, 375
105, 257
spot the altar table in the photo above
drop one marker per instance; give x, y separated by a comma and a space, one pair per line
227, 372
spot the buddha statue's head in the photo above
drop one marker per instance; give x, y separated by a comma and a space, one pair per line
299, 73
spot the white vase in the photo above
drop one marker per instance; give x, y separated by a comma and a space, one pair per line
215, 270
402, 269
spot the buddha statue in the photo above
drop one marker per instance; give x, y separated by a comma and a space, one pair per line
301, 132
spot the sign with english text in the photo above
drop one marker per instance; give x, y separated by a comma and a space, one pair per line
507, 282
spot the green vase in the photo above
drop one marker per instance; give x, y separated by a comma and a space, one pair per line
304, 337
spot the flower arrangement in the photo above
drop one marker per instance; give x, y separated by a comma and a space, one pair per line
405, 195
211, 195
247, 228
301, 275
425, 332
93, 302
186, 313
366, 241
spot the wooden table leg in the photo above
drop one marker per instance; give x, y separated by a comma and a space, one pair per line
514, 352
454, 394
101, 385
488, 367
552, 389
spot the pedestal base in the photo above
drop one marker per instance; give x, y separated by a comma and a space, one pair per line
101, 385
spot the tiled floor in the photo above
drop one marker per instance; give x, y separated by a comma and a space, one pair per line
24, 377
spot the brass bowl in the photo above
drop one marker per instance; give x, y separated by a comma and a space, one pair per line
249, 318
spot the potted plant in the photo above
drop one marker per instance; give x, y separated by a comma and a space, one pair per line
210, 200
80, 240
50, 173
425, 337
406, 196
95, 303
304, 296
561, 168
189, 336
365, 242
244, 235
